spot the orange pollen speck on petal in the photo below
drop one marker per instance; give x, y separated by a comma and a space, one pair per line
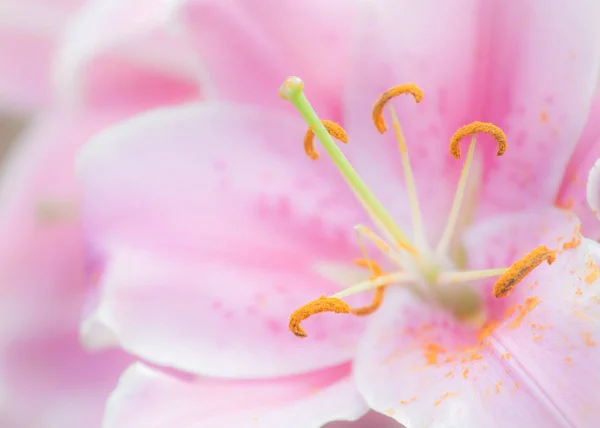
335, 130
521, 269
322, 304
379, 291
575, 241
530, 304
444, 396
407, 88
473, 128
592, 271
431, 352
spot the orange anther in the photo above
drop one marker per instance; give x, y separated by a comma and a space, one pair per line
322, 304
407, 88
335, 130
379, 291
473, 128
522, 268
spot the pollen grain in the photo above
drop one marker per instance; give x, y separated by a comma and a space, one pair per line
473, 128
407, 88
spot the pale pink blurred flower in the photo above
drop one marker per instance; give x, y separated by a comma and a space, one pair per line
209, 226
47, 378
29, 32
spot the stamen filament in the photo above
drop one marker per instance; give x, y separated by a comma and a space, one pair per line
444, 243
371, 284
419, 232
292, 90
380, 243
379, 291
469, 275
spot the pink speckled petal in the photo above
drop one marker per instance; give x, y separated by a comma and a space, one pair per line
454, 375
399, 42
500, 240
491, 61
145, 396
537, 69
422, 368
117, 52
573, 191
249, 49
212, 233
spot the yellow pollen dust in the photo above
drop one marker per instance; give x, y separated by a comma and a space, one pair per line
473, 128
407, 88
335, 130
333, 304
522, 268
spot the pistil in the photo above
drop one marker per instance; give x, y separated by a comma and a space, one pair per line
293, 90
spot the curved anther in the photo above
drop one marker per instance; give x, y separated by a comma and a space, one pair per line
322, 304
407, 88
473, 128
335, 130
521, 268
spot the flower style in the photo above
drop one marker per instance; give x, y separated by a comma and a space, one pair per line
209, 227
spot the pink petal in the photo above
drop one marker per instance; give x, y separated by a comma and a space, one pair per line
501, 240
117, 52
49, 381
418, 365
146, 396
270, 41
29, 30
540, 67
572, 193
386, 54
211, 317
495, 62
192, 283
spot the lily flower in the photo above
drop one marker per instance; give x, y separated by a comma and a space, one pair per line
214, 235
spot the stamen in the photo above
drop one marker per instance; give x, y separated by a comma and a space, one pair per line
473, 128
379, 291
399, 278
411, 187
407, 88
334, 130
292, 90
522, 268
322, 304
446, 238
469, 275
383, 246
